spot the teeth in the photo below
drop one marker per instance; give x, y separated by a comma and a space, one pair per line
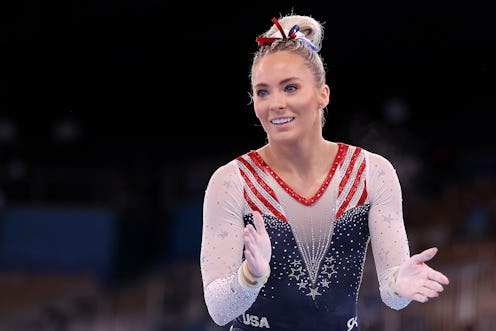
282, 120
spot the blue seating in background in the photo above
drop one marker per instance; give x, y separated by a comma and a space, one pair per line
61, 239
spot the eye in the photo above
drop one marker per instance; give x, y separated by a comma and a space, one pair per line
290, 88
262, 92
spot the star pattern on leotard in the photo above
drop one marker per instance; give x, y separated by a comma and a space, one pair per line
329, 259
296, 273
327, 267
325, 283
314, 292
330, 270
387, 218
302, 284
296, 263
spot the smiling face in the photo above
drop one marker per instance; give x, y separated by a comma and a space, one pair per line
286, 98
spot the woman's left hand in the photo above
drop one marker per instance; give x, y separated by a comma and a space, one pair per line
417, 281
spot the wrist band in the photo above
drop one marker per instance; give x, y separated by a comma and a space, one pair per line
392, 281
249, 280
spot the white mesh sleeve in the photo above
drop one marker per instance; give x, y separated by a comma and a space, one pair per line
387, 230
222, 246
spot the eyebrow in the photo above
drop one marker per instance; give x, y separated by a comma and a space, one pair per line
284, 81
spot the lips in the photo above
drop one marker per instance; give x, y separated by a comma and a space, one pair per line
282, 120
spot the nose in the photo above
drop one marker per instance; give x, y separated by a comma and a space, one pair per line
278, 102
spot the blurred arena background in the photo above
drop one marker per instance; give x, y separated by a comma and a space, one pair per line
113, 115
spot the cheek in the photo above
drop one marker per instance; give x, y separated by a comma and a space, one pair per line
305, 105
259, 110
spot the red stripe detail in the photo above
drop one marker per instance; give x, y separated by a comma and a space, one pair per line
361, 201
353, 190
260, 197
343, 150
255, 157
250, 202
259, 179
347, 174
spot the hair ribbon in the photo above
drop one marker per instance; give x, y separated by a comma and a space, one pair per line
293, 33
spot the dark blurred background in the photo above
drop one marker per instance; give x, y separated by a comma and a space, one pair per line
113, 115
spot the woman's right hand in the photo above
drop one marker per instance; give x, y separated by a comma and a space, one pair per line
258, 248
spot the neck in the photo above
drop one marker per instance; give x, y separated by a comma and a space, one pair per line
301, 158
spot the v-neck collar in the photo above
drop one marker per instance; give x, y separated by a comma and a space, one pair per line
310, 201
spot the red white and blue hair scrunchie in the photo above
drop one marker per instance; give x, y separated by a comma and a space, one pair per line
293, 33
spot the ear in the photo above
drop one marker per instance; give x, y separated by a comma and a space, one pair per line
324, 96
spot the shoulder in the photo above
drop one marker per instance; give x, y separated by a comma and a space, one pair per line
225, 169
373, 159
230, 168
362, 150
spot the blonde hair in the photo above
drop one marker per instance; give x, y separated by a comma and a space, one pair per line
312, 29
313, 32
